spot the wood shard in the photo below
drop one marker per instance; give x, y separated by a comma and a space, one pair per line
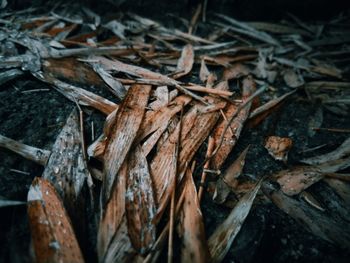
52, 233
122, 134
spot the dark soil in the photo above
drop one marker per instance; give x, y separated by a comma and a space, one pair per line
268, 235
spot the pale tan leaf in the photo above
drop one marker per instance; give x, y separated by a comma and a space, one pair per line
185, 63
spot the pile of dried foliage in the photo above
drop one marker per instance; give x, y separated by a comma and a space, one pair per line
175, 91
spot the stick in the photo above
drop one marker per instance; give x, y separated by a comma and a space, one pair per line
206, 166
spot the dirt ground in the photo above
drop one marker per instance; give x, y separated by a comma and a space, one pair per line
268, 235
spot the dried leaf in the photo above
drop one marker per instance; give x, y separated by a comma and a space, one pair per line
222, 238
342, 151
194, 243
319, 223
139, 202
37, 155
292, 79
122, 134
185, 63
235, 71
299, 178
52, 233
278, 147
203, 72
232, 134
81, 96
113, 214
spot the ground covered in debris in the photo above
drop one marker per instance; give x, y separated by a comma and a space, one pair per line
309, 59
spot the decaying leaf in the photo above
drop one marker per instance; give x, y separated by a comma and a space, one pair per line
221, 240
235, 71
194, 243
342, 151
233, 132
185, 63
299, 178
319, 223
139, 202
37, 155
278, 147
229, 180
78, 95
122, 134
52, 233
292, 79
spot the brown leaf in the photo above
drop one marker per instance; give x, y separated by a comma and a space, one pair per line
235, 71
222, 238
185, 63
299, 178
340, 152
278, 147
232, 134
81, 96
113, 214
319, 223
52, 233
194, 243
139, 202
124, 129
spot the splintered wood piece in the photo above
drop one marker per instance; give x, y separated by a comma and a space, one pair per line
140, 72
113, 214
52, 233
221, 240
196, 128
297, 179
278, 147
139, 202
97, 148
123, 131
340, 152
37, 155
120, 248
185, 63
236, 126
81, 96
206, 166
194, 244
324, 225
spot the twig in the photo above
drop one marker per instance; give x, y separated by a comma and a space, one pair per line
343, 177
19, 172
331, 129
206, 166
195, 18
35, 90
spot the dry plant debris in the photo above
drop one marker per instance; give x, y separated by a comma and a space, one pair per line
172, 93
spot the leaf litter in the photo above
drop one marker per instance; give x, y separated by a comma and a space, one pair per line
165, 97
